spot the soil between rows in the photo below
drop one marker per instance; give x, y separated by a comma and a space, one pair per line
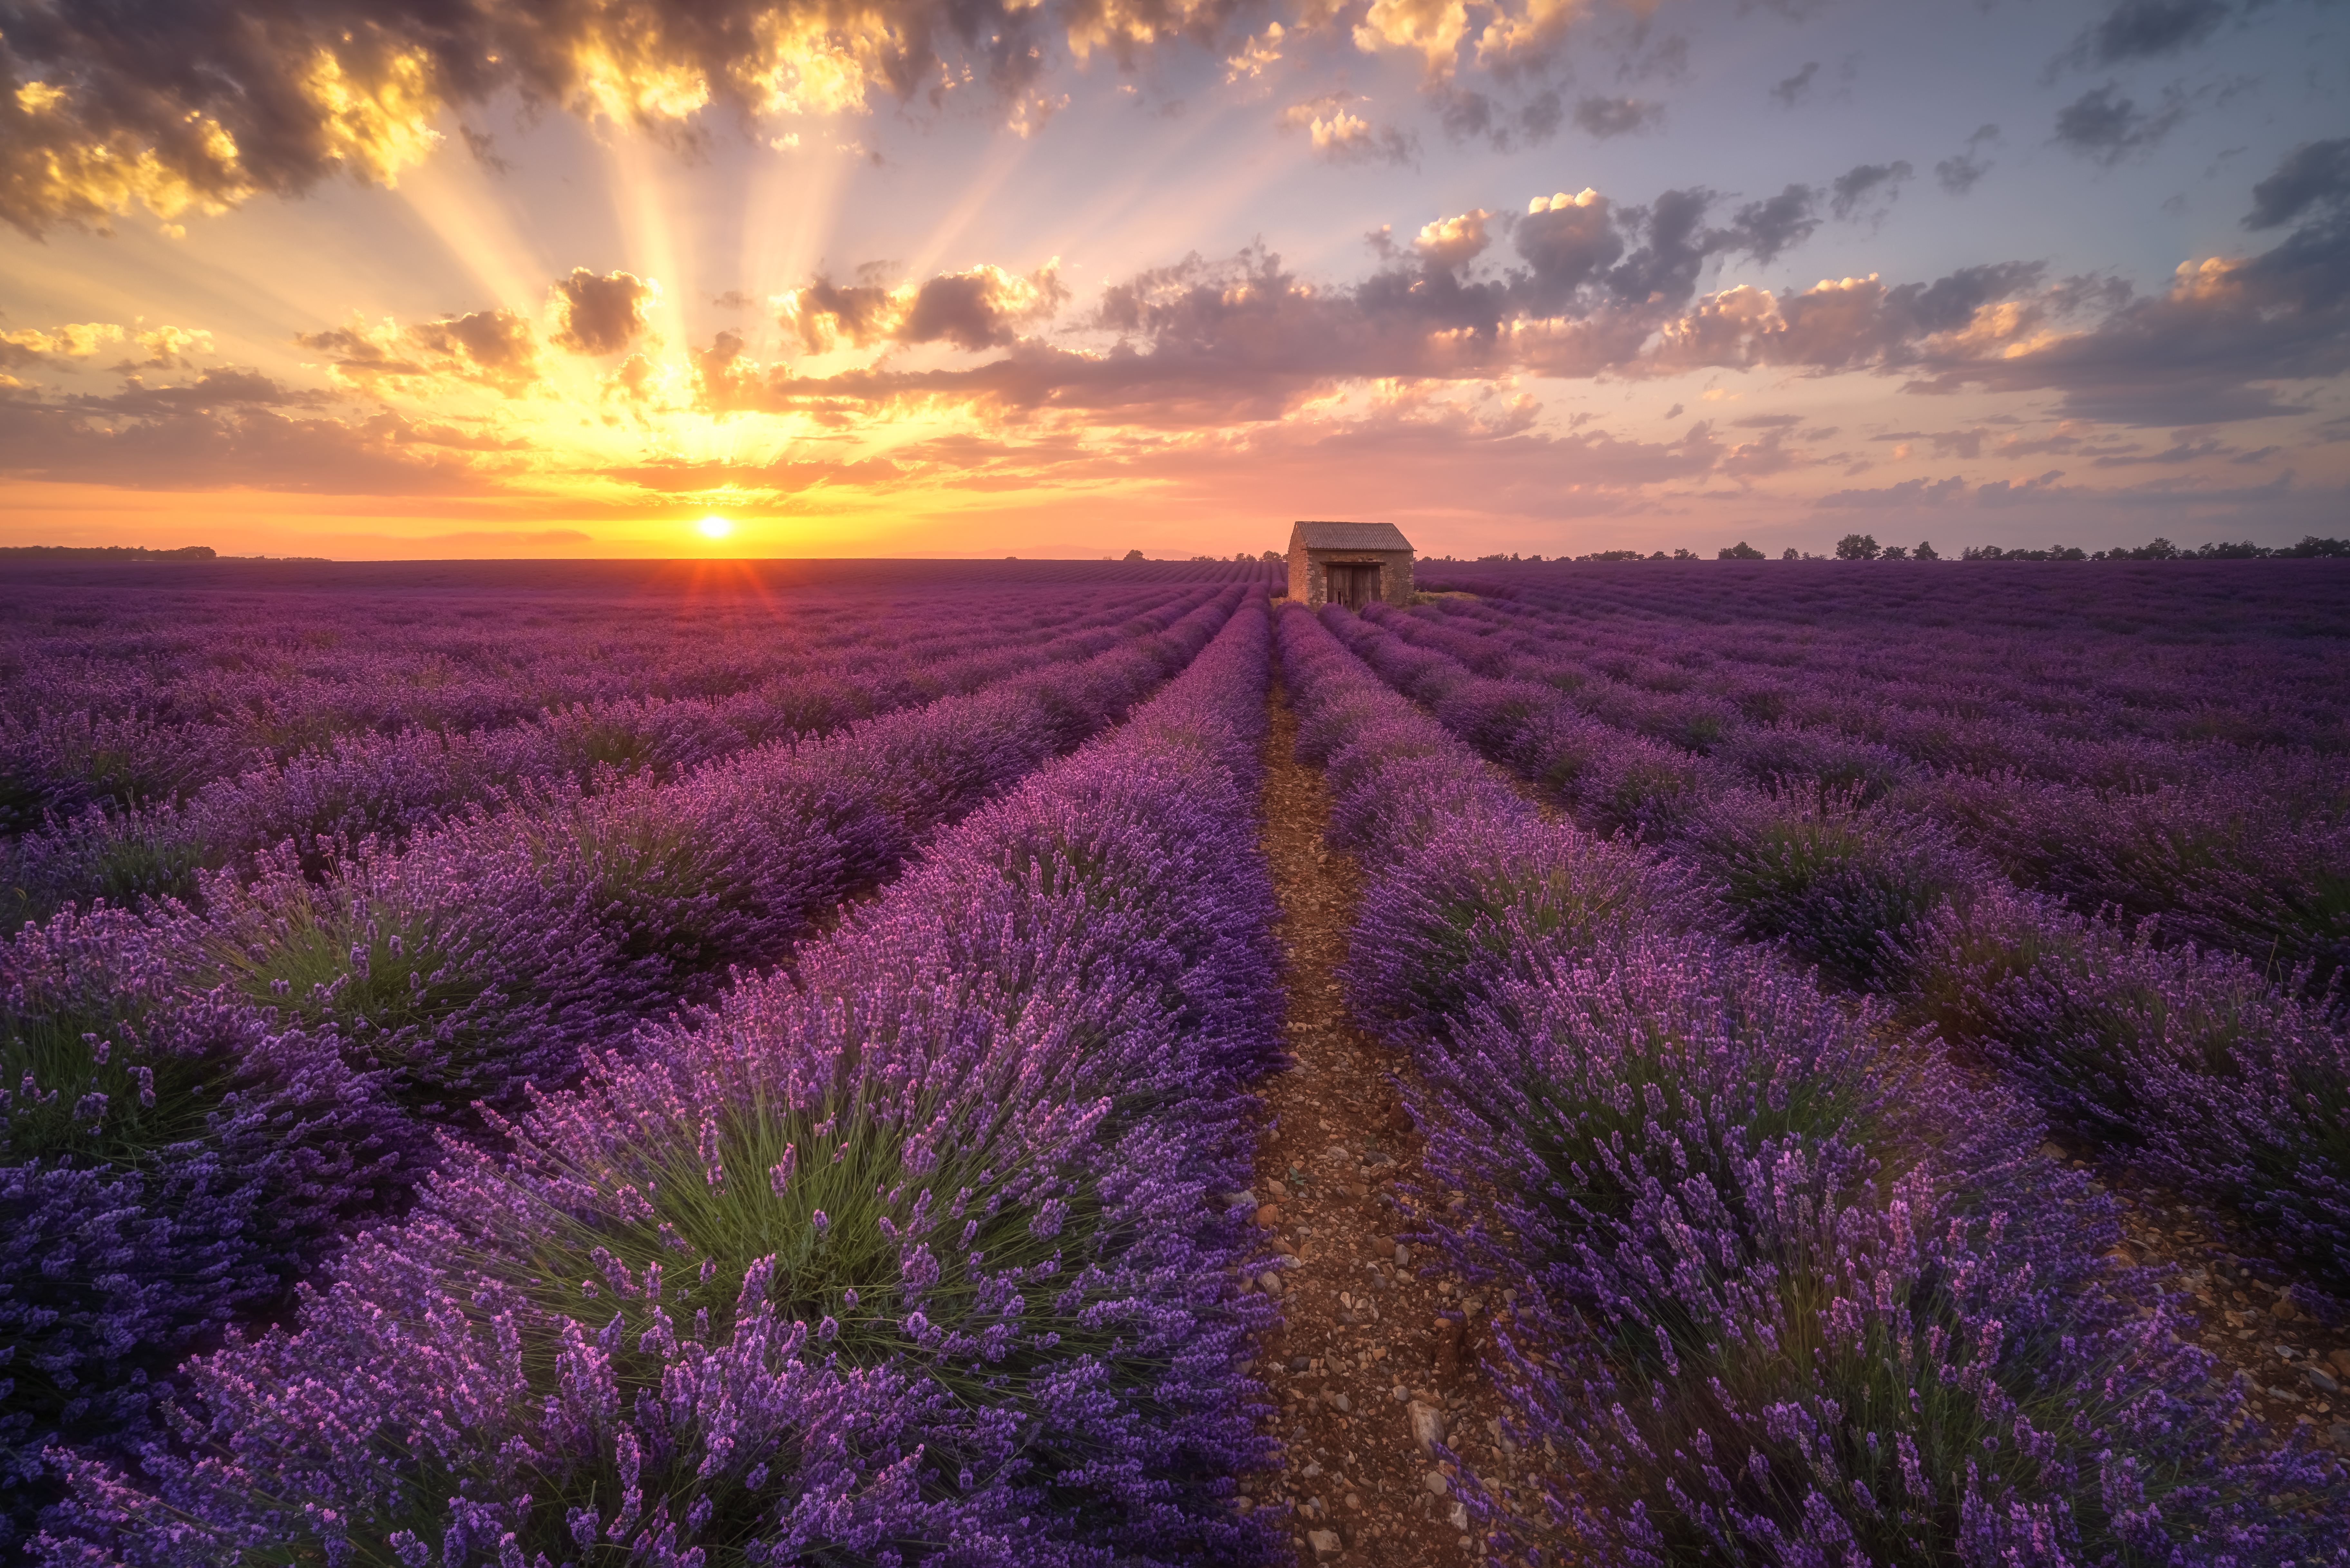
1338, 1170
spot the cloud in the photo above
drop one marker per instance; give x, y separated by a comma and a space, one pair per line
1796, 88
1453, 243
74, 340
494, 348
223, 437
1254, 55
2315, 174
599, 316
198, 108
1467, 114
168, 348
1908, 496
2212, 348
214, 390
1777, 223
1342, 136
2106, 125
1432, 29
2146, 30
1960, 172
1605, 116
1587, 287
982, 308
2015, 493
1865, 186
735, 299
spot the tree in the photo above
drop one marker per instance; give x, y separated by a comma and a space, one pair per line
1857, 547
1134, 555
1791, 553
1926, 550
1741, 551
1271, 557
1897, 552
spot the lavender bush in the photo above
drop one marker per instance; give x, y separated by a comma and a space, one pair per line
905, 1259
1784, 1286
166, 1163
2222, 1082
485, 956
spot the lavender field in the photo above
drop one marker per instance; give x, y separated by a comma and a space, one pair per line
1088, 1063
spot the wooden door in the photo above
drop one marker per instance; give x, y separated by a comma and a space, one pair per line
1355, 586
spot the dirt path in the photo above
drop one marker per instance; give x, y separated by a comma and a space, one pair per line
1363, 1343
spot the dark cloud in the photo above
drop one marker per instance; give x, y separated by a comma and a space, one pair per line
2315, 174
180, 102
1865, 186
1674, 250
1468, 114
1606, 117
1569, 245
2147, 30
2212, 349
485, 149
2104, 125
1581, 286
1959, 173
983, 308
1796, 88
599, 316
1764, 229
735, 299
492, 347
214, 390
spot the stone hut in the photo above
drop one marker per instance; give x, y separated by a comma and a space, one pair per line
1350, 564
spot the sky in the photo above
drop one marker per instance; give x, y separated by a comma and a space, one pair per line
447, 278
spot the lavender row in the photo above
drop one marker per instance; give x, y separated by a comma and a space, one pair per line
197, 1108
283, 656
905, 1258
392, 785
1782, 1284
1952, 703
2243, 655
141, 697
63, 761
2253, 859
2197, 1062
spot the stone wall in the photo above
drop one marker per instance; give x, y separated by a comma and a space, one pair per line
1309, 584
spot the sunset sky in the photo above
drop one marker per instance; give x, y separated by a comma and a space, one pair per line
369, 279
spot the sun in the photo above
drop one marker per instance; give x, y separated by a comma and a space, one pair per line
714, 527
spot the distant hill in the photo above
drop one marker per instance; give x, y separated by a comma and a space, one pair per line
103, 552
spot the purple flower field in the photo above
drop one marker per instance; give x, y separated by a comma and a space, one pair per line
604, 1064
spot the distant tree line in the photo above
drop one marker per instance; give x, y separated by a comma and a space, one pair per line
103, 552
1865, 547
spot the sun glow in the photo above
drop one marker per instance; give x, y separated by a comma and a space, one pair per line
714, 527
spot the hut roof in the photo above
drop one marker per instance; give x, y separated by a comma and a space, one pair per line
1348, 536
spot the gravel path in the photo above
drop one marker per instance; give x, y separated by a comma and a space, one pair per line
1364, 1353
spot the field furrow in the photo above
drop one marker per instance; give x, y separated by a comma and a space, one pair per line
1770, 1269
